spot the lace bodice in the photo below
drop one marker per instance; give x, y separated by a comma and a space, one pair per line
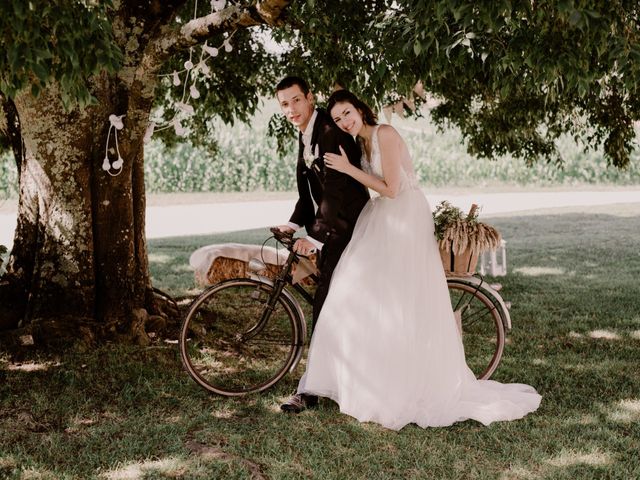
374, 167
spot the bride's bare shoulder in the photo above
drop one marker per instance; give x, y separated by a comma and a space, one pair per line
388, 134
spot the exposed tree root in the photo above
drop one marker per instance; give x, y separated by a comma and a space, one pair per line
144, 325
209, 452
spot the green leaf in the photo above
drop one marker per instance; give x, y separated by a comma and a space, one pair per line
13, 54
41, 72
575, 19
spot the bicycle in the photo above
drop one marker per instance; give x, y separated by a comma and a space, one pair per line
243, 335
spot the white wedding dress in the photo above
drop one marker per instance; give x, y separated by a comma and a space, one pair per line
386, 346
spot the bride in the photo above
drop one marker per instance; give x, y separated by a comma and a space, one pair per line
386, 346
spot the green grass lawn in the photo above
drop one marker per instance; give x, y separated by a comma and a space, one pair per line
119, 412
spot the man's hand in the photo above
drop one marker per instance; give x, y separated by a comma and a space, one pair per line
304, 247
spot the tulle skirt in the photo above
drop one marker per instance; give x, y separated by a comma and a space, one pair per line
386, 347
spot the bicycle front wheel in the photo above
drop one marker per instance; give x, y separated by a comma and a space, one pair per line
481, 327
233, 343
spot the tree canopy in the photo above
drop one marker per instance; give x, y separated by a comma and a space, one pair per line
513, 75
61, 40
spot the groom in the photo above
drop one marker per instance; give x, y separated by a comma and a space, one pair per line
329, 201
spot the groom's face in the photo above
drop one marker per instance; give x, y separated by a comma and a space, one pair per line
296, 106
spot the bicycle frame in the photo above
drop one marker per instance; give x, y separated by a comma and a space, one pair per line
278, 286
279, 289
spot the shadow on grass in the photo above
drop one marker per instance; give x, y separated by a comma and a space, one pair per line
125, 412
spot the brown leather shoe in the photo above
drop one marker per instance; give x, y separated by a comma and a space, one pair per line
298, 402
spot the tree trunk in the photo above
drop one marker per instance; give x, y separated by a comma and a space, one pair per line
79, 254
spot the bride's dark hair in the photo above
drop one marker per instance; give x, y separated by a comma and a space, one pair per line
345, 96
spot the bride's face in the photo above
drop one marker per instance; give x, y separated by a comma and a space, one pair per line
347, 118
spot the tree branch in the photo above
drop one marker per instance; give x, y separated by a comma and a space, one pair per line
272, 10
235, 16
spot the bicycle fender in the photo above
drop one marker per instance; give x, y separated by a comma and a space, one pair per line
489, 291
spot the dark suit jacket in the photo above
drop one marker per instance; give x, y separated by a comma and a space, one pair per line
339, 197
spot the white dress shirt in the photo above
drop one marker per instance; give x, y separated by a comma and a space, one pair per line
309, 155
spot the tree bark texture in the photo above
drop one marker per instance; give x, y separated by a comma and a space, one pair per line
79, 255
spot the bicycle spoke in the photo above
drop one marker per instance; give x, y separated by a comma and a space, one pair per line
470, 317
456, 307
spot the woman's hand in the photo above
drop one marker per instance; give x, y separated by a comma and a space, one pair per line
338, 162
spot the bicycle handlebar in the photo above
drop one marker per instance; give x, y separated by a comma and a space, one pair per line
286, 238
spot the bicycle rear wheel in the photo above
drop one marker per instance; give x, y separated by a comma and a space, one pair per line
482, 329
232, 343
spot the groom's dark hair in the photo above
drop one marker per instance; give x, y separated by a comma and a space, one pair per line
290, 81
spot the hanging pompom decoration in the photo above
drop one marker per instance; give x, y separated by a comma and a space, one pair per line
149, 132
189, 90
185, 107
212, 51
204, 68
218, 5
116, 122
179, 129
115, 125
118, 164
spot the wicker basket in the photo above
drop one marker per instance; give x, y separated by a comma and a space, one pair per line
461, 264
462, 242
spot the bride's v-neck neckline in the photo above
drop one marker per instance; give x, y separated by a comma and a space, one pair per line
368, 154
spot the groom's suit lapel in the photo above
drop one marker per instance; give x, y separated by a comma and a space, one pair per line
314, 172
310, 188
313, 175
300, 148
317, 166
317, 127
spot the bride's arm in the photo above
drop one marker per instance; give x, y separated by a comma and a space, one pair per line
391, 147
